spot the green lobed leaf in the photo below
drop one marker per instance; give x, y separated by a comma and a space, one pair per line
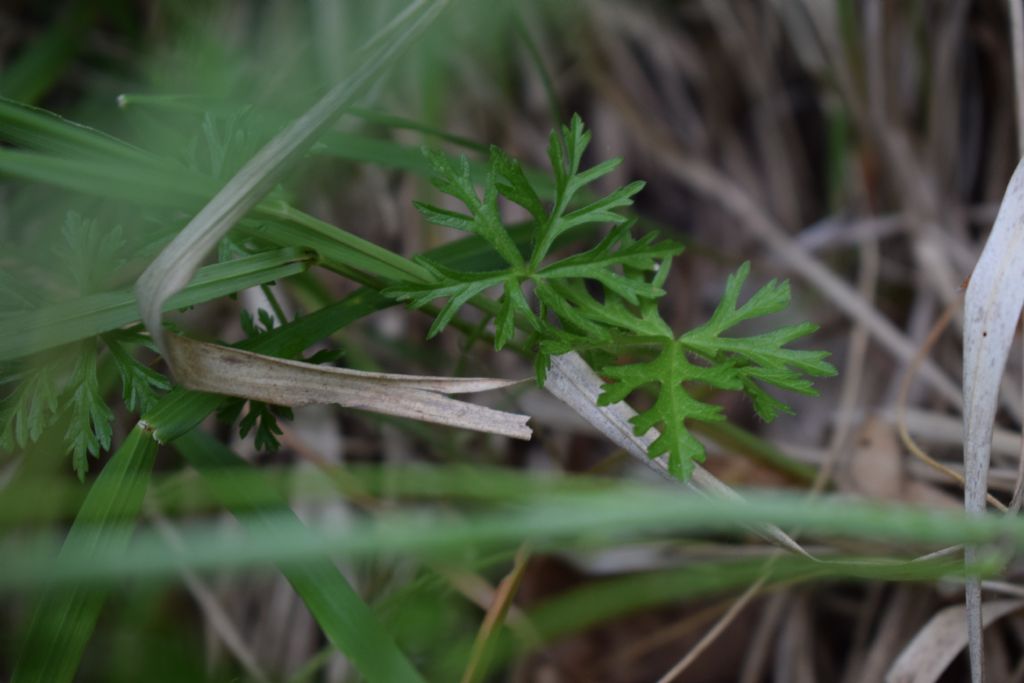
484, 219
760, 358
599, 264
90, 252
31, 408
620, 264
674, 406
735, 363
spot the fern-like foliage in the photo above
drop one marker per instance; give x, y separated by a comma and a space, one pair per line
606, 263
603, 302
139, 383
89, 417
65, 393
63, 390
261, 416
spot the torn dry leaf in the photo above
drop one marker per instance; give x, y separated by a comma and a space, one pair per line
234, 372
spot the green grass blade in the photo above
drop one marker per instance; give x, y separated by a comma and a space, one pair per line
135, 184
125, 477
64, 617
549, 519
345, 619
175, 265
46, 57
338, 249
44, 131
67, 321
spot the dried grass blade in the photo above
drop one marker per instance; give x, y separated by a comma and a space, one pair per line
939, 642
992, 306
234, 372
476, 669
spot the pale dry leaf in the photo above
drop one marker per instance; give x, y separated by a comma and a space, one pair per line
939, 642
992, 305
234, 372
573, 381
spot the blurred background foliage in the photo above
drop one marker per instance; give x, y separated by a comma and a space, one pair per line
858, 148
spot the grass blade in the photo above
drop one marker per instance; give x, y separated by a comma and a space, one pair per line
172, 270
63, 619
216, 368
549, 517
47, 56
68, 321
181, 410
42, 130
135, 184
346, 620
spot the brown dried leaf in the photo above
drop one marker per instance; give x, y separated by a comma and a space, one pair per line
234, 372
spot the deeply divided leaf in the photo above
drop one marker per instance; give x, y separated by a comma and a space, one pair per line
619, 264
89, 431
723, 362
603, 301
